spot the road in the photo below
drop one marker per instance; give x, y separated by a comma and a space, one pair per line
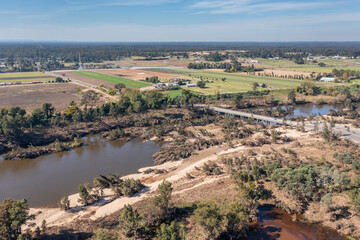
340, 129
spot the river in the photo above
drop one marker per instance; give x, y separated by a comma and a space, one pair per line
43, 180
274, 223
310, 109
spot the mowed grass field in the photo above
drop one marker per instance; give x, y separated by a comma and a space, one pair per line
25, 77
234, 82
22, 74
113, 79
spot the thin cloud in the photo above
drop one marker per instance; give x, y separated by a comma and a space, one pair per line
91, 4
251, 6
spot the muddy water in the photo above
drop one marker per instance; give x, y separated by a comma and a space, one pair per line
310, 109
42, 181
274, 223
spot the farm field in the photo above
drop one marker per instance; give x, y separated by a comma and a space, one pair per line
113, 79
33, 96
319, 69
140, 62
136, 74
22, 74
25, 77
234, 82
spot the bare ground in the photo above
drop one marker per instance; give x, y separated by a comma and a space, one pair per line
33, 96
136, 74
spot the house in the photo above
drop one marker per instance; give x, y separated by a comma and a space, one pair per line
171, 84
310, 58
254, 61
191, 85
327, 79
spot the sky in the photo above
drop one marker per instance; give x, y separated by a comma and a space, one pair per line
179, 20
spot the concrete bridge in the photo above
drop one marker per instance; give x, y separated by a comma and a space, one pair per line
340, 129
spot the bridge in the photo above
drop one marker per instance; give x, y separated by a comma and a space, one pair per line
340, 129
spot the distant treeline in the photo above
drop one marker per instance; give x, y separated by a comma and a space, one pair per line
98, 52
228, 67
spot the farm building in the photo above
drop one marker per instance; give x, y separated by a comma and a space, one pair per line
327, 79
191, 85
254, 61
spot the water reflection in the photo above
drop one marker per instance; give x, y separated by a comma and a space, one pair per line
45, 179
311, 109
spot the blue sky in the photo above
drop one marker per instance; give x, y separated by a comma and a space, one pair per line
180, 20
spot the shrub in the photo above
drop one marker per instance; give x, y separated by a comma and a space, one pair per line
64, 203
130, 222
84, 196
355, 197
326, 201
208, 216
171, 232
102, 234
163, 198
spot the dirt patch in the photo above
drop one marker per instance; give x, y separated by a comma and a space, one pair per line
136, 74
33, 96
172, 62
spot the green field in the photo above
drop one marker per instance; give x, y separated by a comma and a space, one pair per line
174, 93
318, 69
113, 79
28, 80
22, 74
233, 83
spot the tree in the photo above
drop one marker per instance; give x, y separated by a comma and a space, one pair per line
238, 100
170, 232
208, 216
130, 222
13, 214
64, 203
154, 99
236, 219
59, 79
90, 98
255, 86
201, 84
292, 96
84, 196
119, 86
48, 110
163, 199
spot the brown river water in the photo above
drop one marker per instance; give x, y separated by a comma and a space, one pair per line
274, 223
43, 180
